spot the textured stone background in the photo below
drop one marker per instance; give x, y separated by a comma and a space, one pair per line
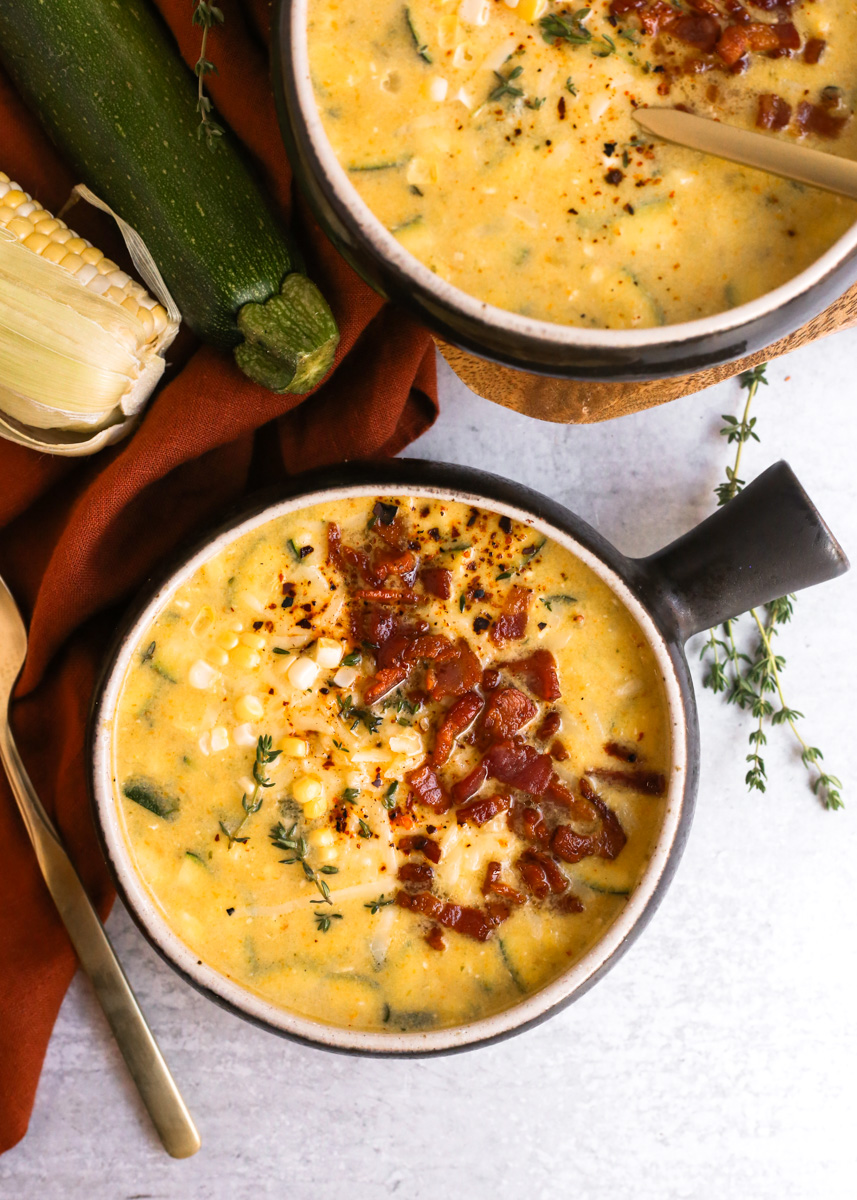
716, 1062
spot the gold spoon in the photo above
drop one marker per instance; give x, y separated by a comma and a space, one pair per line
829, 172
97, 957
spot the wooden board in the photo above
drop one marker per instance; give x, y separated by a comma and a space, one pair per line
578, 403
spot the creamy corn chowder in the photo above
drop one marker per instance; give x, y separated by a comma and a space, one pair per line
392, 764
495, 139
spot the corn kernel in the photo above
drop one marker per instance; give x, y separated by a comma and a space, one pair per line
246, 598
249, 708
159, 316
72, 263
92, 255
6, 214
216, 656
112, 293
86, 274
219, 739
244, 735
106, 266
345, 677
302, 673
294, 747
245, 658
54, 253
14, 198
320, 837
21, 227
130, 305
531, 10
228, 640
313, 809
306, 789
201, 675
61, 235
328, 652
48, 226
326, 853
143, 316
36, 242
75, 245
254, 640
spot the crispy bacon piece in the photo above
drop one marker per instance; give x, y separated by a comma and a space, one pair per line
458, 717
538, 672
420, 844
649, 783
456, 675
813, 50
519, 764
511, 625
558, 752
477, 812
384, 681
392, 532
357, 560
815, 118
416, 872
471, 922
569, 903
578, 806
334, 544
607, 842
428, 788
490, 679
493, 883
471, 783
529, 824
507, 711
375, 625
657, 16
434, 937
403, 566
773, 113
702, 31
387, 595
541, 874
410, 646
737, 40
437, 581
550, 726
628, 754
705, 6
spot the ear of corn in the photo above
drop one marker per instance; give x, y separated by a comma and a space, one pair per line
81, 342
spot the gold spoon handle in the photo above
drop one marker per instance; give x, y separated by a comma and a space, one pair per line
97, 957
830, 172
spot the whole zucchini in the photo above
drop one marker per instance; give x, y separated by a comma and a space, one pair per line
107, 82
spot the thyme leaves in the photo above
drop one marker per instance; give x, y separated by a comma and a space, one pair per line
265, 755
207, 16
296, 845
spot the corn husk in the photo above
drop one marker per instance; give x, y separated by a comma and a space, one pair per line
76, 366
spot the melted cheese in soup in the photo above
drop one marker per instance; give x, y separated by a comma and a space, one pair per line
393, 764
496, 141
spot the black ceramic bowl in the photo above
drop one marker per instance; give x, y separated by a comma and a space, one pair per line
769, 540
516, 341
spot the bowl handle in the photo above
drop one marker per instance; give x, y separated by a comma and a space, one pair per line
767, 541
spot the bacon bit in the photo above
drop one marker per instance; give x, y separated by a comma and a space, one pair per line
626, 754
434, 937
557, 751
511, 625
528, 823
477, 812
773, 112
571, 847
705, 6
732, 44
334, 544
736, 40
813, 50
649, 783
538, 672
497, 913
420, 844
455, 676
459, 716
814, 118
411, 646
606, 843
403, 566
393, 534
490, 679
492, 883
416, 872
703, 32
550, 726
581, 809
570, 904
470, 922
387, 595
470, 784
507, 711
437, 581
358, 560
540, 874
428, 788
519, 764
384, 681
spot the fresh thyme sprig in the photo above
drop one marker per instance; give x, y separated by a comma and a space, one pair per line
252, 803
506, 87
322, 920
754, 681
206, 15
566, 27
375, 905
286, 839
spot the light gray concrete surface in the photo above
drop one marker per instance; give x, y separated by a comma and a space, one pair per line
716, 1062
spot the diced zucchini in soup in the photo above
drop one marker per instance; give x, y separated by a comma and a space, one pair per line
371, 795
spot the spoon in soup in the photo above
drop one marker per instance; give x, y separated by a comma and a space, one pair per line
829, 172
92, 946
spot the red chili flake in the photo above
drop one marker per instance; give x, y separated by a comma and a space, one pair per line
428, 788
454, 676
538, 673
384, 681
387, 595
334, 544
416, 872
420, 844
649, 783
511, 625
434, 937
813, 50
550, 726
540, 874
814, 118
507, 711
437, 581
477, 812
703, 32
458, 717
468, 921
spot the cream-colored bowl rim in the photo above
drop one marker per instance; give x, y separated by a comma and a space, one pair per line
447, 296
530, 1008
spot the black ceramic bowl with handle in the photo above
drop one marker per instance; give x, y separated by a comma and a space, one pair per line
768, 541
540, 347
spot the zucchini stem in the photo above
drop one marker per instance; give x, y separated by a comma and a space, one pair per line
289, 340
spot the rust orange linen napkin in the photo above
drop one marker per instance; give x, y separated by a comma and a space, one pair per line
78, 536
